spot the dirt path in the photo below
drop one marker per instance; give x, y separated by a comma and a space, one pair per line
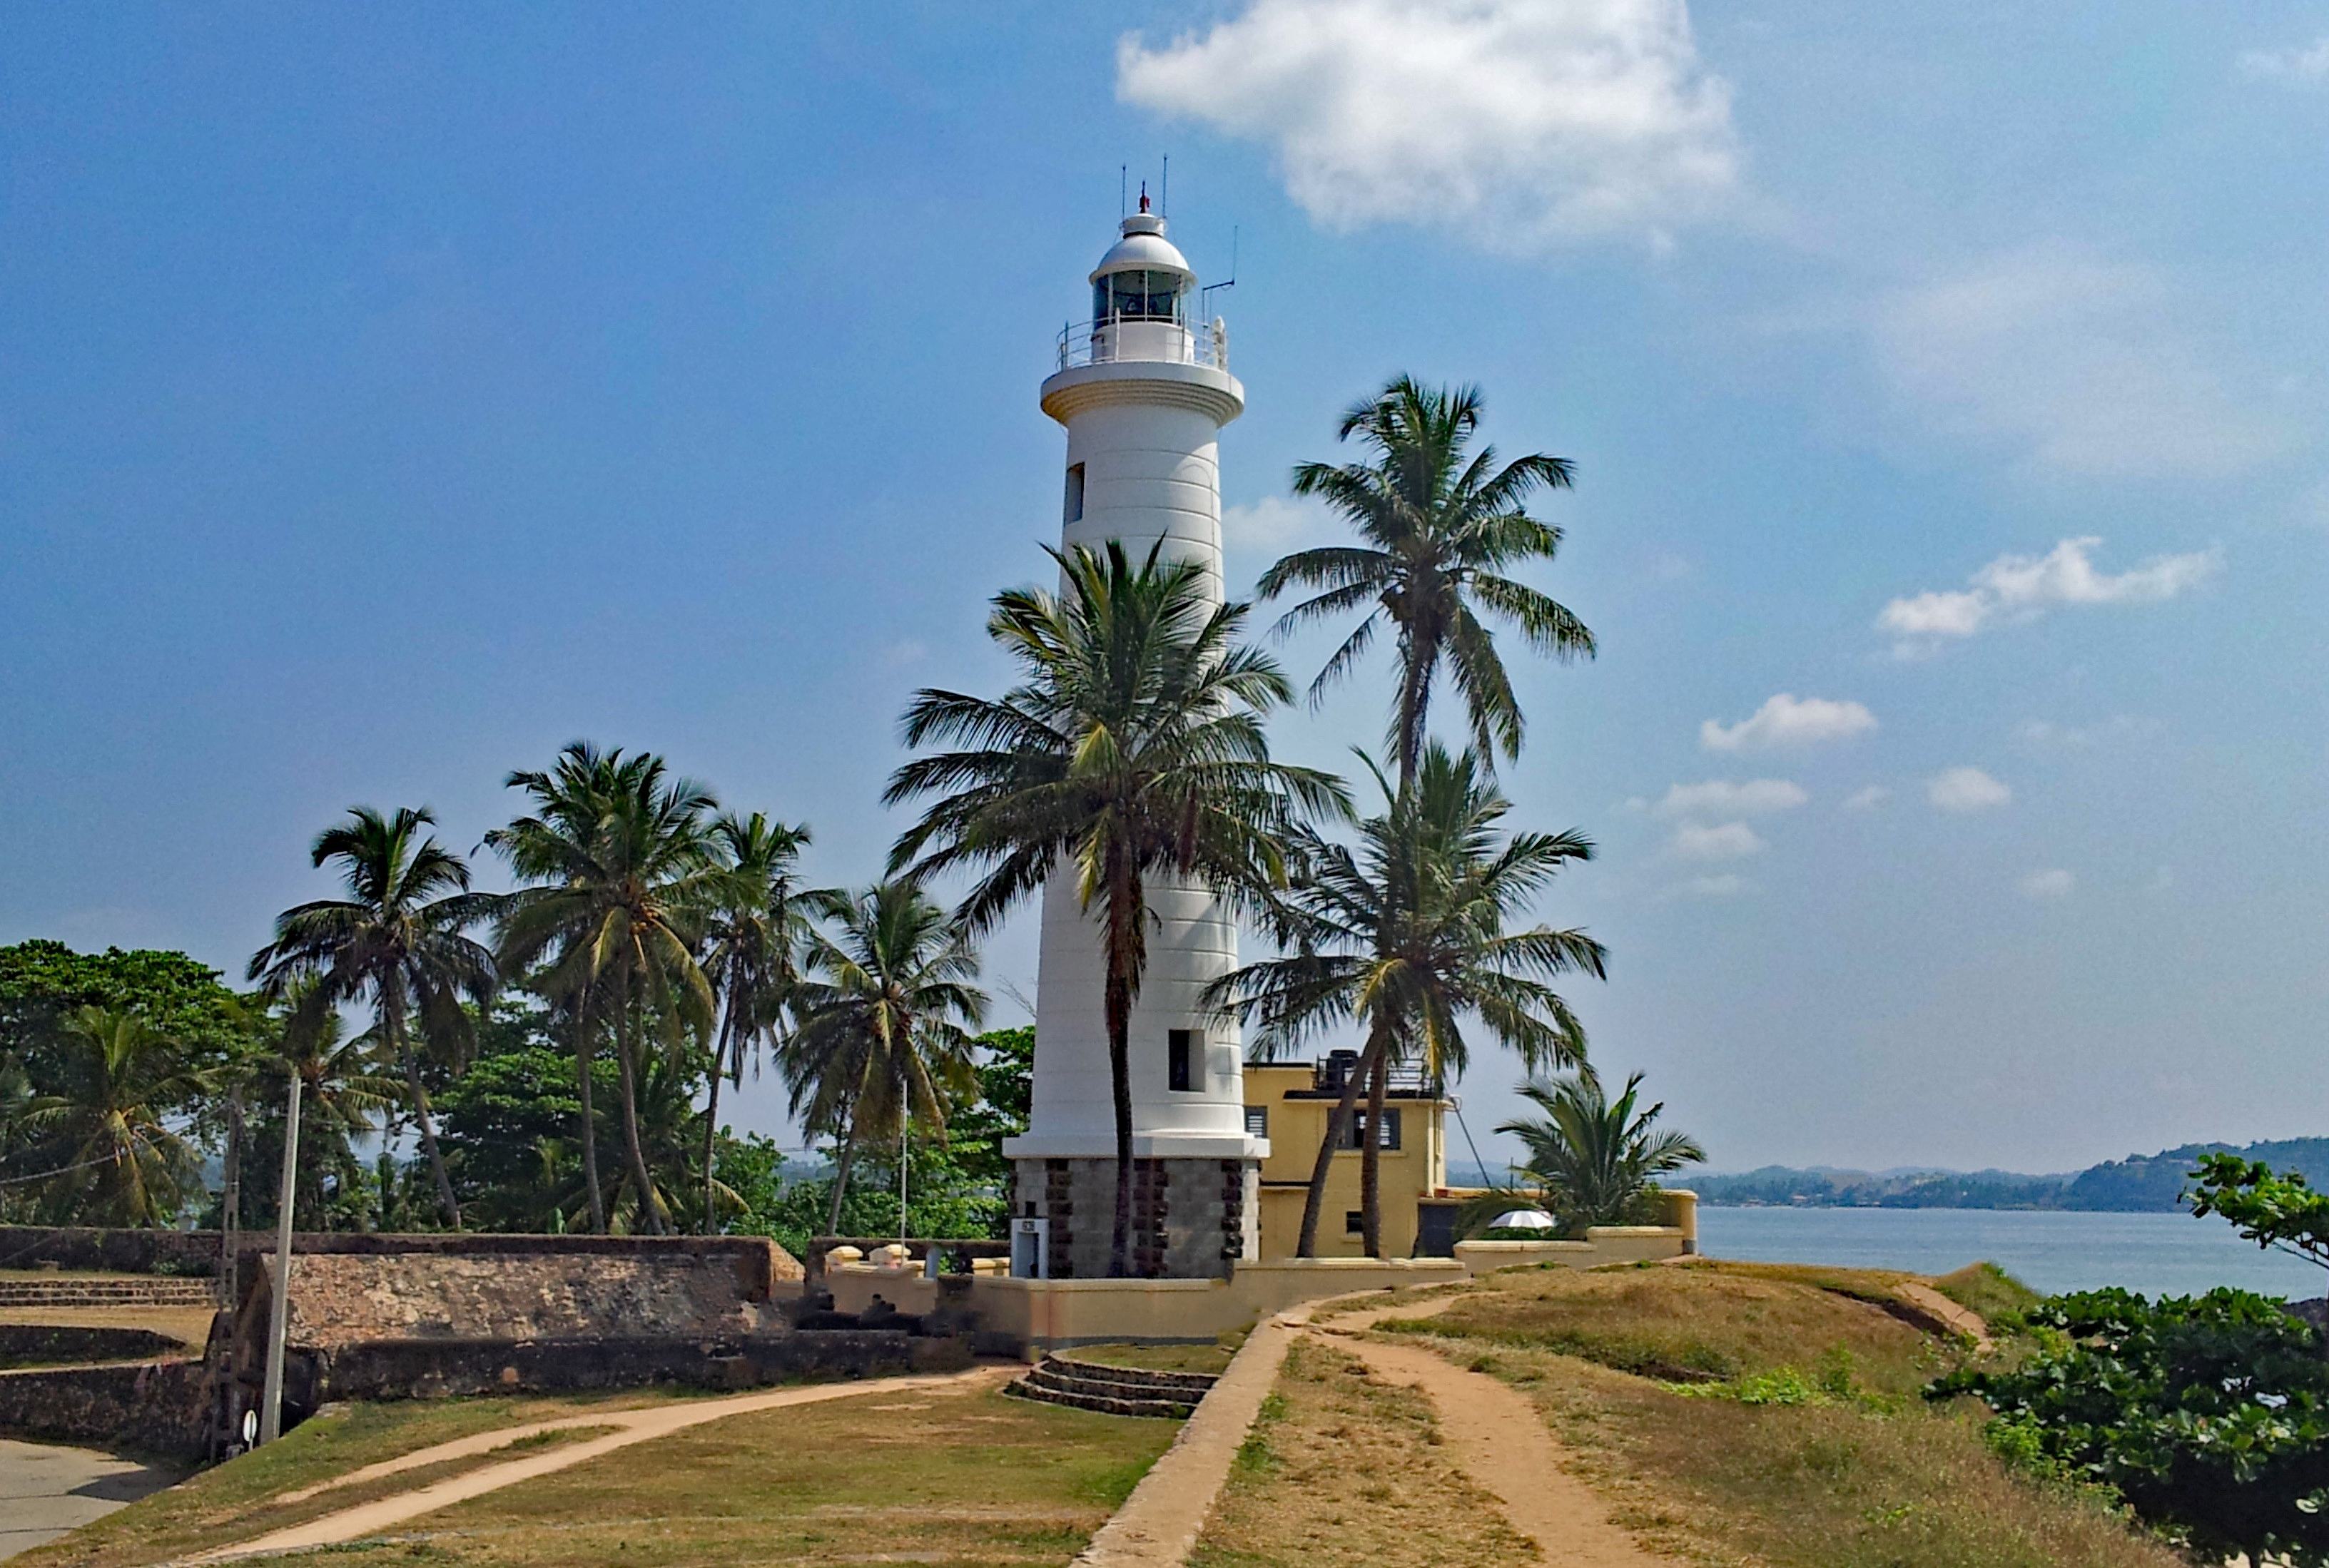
1498, 1437
633, 1426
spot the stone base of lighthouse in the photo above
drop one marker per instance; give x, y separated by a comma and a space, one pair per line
1191, 1219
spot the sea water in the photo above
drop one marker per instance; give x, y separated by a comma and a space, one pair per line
2173, 1254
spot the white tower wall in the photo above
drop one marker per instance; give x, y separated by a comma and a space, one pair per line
1143, 403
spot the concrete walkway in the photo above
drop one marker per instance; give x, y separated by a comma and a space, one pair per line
631, 1426
48, 1489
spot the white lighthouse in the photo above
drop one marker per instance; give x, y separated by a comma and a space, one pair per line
1144, 391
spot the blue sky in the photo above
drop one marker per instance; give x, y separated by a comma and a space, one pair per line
390, 396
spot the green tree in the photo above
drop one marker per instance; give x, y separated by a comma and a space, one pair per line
397, 942
1131, 752
882, 1013
106, 1143
1406, 936
43, 983
751, 939
2278, 1212
1591, 1157
1439, 526
1006, 1086
2207, 1414
622, 865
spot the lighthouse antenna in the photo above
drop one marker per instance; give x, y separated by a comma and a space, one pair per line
1229, 282
1123, 189
1165, 190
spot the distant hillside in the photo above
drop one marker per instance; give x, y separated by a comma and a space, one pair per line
2137, 1183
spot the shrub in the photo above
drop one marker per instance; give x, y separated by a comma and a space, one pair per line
2207, 1414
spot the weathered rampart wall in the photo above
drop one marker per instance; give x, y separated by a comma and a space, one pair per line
156, 1408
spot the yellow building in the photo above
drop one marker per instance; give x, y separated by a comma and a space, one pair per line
1289, 1103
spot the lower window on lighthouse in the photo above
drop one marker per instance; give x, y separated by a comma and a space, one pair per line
1180, 1062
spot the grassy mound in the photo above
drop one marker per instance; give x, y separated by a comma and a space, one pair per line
1795, 1438
1704, 1324
1990, 1290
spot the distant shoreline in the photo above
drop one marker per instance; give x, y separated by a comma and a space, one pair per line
2139, 1184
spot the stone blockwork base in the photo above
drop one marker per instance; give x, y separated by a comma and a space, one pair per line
1192, 1219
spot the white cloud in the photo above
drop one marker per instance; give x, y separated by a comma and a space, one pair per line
1728, 841
1521, 123
1276, 523
2048, 885
2305, 67
1722, 798
1965, 789
2119, 727
907, 651
2024, 587
2072, 363
1867, 800
1788, 720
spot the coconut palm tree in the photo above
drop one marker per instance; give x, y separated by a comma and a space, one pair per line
1407, 936
1132, 750
1440, 525
1592, 1158
107, 1143
621, 861
750, 941
883, 1014
396, 943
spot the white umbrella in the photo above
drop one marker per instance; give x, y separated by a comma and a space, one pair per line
1524, 1219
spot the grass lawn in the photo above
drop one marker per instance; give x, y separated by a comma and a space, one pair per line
957, 1477
1813, 1451
229, 1502
1342, 1471
1212, 1359
189, 1325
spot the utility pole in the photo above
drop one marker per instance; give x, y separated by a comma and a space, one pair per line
279, 1314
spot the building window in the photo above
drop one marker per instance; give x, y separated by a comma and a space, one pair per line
1354, 1136
1074, 510
1181, 1063
1354, 1222
1257, 1122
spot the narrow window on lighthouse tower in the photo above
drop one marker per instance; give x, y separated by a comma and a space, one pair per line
1075, 507
1180, 1067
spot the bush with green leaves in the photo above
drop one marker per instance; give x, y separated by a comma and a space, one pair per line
2207, 1414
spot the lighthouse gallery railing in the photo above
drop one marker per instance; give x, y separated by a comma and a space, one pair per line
1119, 338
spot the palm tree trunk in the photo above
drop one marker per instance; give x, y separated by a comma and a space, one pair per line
582, 1054
446, 1200
1414, 697
711, 1136
650, 1208
840, 1175
1120, 1073
402, 1046
230, 1202
1370, 1157
1338, 1126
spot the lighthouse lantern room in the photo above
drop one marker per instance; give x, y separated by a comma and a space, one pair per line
1143, 392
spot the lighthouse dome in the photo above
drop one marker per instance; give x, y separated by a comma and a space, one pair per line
1143, 249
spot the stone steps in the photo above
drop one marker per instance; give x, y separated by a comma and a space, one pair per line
158, 1292
1112, 1390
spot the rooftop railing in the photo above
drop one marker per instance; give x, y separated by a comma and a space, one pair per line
1117, 339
